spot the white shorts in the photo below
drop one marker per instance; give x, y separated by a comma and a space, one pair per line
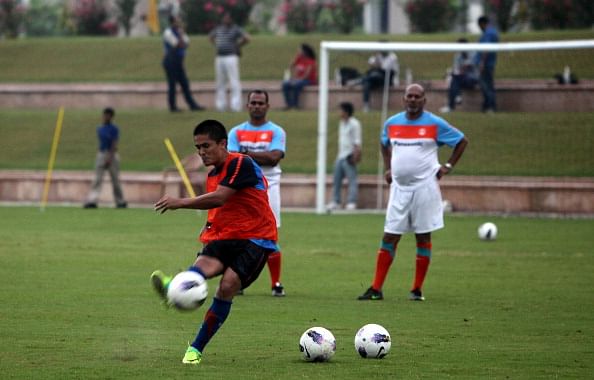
419, 210
274, 200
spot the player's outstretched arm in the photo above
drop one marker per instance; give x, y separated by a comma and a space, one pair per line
206, 201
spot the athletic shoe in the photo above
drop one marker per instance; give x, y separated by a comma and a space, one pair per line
278, 290
160, 283
192, 356
416, 295
332, 206
445, 109
90, 205
351, 206
372, 295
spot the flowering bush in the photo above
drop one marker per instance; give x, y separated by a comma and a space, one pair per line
301, 16
126, 11
502, 9
11, 16
44, 18
202, 16
430, 16
561, 14
346, 14
91, 18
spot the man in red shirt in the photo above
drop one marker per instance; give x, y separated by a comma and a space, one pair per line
239, 234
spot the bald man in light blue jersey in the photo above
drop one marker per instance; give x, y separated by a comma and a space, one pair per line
409, 143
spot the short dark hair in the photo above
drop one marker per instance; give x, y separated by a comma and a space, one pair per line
308, 50
258, 91
213, 128
109, 111
347, 107
483, 20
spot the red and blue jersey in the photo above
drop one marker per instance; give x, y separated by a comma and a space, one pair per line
246, 214
414, 145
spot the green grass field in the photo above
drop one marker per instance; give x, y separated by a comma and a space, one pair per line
77, 303
501, 144
102, 59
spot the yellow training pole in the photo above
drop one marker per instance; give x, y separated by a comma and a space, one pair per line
180, 168
52, 158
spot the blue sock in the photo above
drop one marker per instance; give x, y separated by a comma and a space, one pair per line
213, 320
197, 270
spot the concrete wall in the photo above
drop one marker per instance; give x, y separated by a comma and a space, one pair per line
467, 194
512, 96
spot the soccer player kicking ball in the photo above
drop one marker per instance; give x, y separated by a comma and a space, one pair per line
239, 234
409, 144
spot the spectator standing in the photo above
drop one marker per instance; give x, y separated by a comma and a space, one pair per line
349, 155
239, 234
486, 61
107, 158
409, 144
265, 142
228, 38
175, 42
463, 76
380, 64
303, 72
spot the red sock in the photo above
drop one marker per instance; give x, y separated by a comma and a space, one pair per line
422, 264
382, 266
274, 266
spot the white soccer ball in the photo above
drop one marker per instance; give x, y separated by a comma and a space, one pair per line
487, 231
373, 341
187, 291
317, 344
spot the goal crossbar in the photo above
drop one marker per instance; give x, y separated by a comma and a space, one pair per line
323, 77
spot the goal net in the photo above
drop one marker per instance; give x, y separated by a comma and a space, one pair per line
545, 94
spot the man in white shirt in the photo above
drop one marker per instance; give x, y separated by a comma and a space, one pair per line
349, 155
383, 66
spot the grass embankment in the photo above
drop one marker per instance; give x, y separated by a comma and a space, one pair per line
103, 59
550, 144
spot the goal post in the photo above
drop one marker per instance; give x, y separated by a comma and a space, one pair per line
327, 47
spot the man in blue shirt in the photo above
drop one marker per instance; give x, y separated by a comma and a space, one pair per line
485, 62
107, 159
175, 42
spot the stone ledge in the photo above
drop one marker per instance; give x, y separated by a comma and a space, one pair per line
513, 95
561, 196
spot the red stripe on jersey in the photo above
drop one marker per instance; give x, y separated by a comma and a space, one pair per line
254, 136
412, 132
239, 160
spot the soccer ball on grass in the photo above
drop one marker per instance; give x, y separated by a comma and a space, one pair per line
187, 291
373, 341
487, 231
317, 344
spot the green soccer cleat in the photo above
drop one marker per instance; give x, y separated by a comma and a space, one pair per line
192, 356
160, 283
